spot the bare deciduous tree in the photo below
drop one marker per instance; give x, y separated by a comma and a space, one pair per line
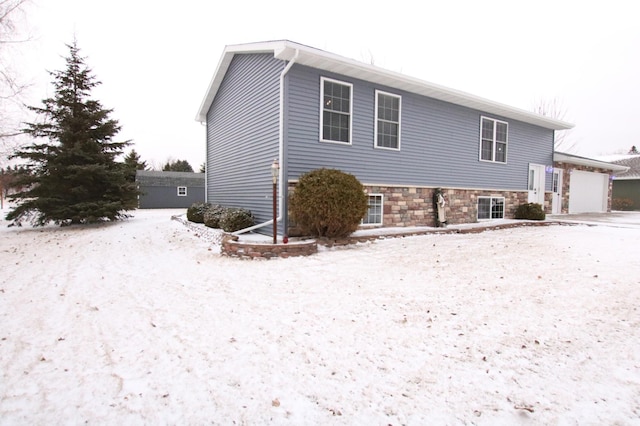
555, 109
12, 18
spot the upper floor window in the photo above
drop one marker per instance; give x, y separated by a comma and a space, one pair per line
182, 191
387, 120
493, 140
335, 117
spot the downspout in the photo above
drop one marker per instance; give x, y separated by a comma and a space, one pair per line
280, 153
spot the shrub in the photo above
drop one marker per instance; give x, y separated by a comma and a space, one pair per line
530, 211
622, 204
195, 213
328, 203
212, 216
235, 219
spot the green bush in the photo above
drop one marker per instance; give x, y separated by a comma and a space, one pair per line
212, 216
530, 211
622, 204
235, 219
328, 203
195, 213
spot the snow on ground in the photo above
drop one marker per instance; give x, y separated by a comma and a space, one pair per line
141, 321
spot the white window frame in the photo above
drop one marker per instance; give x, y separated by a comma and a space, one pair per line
494, 142
378, 119
491, 198
182, 193
344, 83
362, 222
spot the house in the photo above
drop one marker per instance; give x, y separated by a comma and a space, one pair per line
400, 136
581, 184
168, 190
626, 184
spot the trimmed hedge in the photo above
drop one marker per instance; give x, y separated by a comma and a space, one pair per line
235, 219
622, 204
328, 203
195, 213
530, 211
229, 219
212, 216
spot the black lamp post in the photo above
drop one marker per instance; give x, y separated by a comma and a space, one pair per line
275, 168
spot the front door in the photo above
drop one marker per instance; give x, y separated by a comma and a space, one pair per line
556, 201
536, 184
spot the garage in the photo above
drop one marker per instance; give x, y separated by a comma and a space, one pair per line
583, 183
588, 192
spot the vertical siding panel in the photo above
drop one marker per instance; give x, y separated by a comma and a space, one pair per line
242, 135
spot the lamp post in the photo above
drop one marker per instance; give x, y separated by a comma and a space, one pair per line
275, 168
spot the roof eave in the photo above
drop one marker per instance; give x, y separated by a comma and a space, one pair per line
316, 58
590, 162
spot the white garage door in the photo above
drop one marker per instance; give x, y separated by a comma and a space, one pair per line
588, 192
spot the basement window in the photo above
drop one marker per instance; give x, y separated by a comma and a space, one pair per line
490, 208
374, 213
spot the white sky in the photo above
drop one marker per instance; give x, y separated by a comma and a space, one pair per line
155, 58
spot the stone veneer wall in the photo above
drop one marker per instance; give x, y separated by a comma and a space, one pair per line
566, 182
413, 206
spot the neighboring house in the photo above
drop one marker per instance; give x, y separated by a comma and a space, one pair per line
582, 185
626, 185
400, 136
165, 190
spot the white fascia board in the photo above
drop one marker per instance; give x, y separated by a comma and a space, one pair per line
223, 64
320, 59
589, 162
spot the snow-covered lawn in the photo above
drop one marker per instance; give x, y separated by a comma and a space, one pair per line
140, 322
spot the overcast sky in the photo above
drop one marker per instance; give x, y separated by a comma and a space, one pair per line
155, 58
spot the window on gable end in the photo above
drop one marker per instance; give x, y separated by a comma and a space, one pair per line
493, 140
387, 126
336, 111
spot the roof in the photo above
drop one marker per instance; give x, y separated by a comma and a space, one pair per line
584, 161
632, 161
326, 61
156, 178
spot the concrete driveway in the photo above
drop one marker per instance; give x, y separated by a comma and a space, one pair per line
615, 218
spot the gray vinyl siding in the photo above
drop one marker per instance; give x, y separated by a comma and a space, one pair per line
159, 190
243, 133
162, 197
439, 141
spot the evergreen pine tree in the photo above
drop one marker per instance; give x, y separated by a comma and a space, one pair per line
133, 162
72, 177
177, 166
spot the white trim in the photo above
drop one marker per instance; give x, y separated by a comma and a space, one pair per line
376, 119
185, 191
493, 147
491, 198
563, 157
381, 211
413, 185
344, 83
305, 55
